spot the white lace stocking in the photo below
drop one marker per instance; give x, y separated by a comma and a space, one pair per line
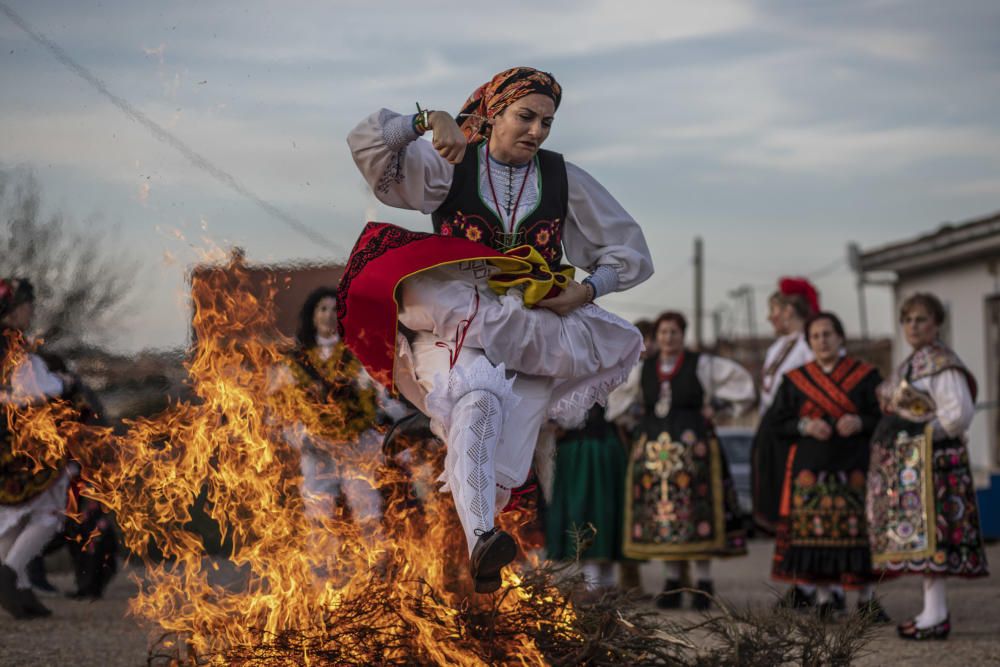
476, 421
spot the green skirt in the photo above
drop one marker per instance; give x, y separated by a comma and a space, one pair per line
589, 489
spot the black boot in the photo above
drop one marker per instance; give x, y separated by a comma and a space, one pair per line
494, 550
31, 604
670, 598
39, 578
9, 598
702, 600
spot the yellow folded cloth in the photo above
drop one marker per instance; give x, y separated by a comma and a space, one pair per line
524, 267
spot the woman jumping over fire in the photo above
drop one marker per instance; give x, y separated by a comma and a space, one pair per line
479, 324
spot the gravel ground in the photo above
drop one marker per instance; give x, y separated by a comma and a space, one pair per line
99, 634
974, 604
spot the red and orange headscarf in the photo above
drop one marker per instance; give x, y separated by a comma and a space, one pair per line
500, 92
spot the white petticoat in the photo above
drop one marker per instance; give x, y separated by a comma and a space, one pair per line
560, 365
48, 507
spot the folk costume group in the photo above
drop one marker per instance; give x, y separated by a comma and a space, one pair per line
863, 479
483, 328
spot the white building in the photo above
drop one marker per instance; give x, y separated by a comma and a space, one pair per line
960, 264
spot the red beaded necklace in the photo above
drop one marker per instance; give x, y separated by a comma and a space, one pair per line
664, 377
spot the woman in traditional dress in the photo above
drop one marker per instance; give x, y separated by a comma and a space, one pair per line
489, 344
794, 302
828, 410
587, 499
681, 504
922, 513
332, 453
32, 496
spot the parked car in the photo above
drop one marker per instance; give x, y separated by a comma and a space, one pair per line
736, 441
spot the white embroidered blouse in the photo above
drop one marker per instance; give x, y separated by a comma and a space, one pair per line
406, 173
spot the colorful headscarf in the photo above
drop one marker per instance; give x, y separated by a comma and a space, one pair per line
500, 92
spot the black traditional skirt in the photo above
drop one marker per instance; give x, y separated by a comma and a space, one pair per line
821, 534
681, 502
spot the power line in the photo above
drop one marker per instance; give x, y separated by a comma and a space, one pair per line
827, 269
163, 135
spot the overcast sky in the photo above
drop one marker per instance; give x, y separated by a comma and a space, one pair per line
778, 132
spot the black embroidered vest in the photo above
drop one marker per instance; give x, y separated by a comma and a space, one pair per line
686, 392
464, 213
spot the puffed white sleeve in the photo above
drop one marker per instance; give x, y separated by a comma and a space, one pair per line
625, 395
955, 408
599, 232
32, 380
401, 170
726, 380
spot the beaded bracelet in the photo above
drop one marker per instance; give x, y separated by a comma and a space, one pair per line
421, 121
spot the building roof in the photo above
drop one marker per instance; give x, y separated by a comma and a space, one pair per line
284, 286
951, 243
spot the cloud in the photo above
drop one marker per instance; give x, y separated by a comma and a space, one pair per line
824, 147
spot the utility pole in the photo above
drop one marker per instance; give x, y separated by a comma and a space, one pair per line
751, 311
699, 292
854, 261
863, 308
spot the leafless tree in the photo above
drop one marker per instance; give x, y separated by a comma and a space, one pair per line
82, 281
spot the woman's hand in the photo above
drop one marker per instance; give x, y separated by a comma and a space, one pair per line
571, 298
818, 429
848, 425
448, 139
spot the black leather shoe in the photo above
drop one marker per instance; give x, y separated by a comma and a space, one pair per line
827, 611
702, 601
670, 598
874, 611
909, 630
31, 604
494, 550
796, 598
839, 600
9, 598
404, 433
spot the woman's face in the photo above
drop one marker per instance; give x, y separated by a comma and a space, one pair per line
919, 327
775, 315
824, 341
520, 129
325, 317
669, 338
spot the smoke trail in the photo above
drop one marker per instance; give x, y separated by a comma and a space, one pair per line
166, 137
